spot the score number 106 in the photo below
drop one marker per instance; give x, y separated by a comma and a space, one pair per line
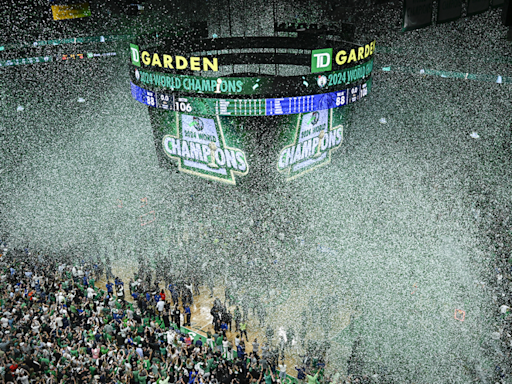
180, 105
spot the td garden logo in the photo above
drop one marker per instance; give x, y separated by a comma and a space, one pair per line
200, 148
310, 148
322, 59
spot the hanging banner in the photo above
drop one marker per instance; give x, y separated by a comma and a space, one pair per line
417, 14
265, 86
497, 3
207, 147
70, 11
449, 10
310, 142
477, 6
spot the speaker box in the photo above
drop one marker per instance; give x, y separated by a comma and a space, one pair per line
506, 15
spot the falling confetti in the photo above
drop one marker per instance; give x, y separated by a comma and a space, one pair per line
331, 262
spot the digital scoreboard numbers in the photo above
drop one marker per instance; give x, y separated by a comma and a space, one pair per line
165, 101
240, 107
250, 107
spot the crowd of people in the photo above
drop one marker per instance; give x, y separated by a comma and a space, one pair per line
58, 326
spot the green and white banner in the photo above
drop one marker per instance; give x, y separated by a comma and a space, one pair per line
309, 143
201, 148
25, 61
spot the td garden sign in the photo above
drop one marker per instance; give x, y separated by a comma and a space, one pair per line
156, 60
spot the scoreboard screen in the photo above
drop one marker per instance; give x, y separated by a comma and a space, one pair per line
264, 86
250, 107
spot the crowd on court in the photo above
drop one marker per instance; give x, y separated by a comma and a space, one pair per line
58, 326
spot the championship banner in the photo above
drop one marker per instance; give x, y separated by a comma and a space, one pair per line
477, 6
449, 10
265, 86
70, 11
208, 147
309, 143
417, 14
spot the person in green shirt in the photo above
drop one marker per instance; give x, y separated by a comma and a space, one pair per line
268, 377
243, 330
108, 337
218, 343
312, 379
136, 374
74, 352
143, 376
147, 363
103, 349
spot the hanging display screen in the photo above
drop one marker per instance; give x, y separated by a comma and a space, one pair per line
250, 107
265, 85
309, 143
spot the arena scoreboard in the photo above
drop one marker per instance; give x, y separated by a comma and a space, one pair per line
206, 117
250, 107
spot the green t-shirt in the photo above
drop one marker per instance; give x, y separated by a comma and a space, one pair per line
104, 350
219, 340
312, 379
44, 360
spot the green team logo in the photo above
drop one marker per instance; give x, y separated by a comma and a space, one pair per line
314, 139
321, 60
134, 50
199, 146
